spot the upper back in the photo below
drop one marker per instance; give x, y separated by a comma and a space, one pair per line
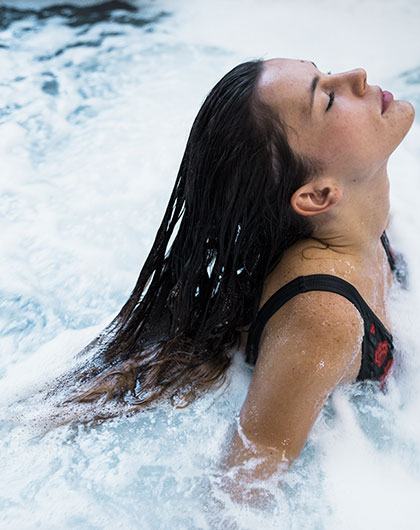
372, 279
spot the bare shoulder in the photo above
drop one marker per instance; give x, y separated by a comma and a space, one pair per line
313, 329
327, 321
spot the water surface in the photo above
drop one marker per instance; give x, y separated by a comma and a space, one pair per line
96, 101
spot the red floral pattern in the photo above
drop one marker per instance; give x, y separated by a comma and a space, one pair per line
372, 329
387, 369
381, 352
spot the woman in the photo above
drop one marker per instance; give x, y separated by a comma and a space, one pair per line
284, 177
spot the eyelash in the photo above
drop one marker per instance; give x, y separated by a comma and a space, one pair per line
332, 96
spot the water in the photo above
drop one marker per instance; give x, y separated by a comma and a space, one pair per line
95, 108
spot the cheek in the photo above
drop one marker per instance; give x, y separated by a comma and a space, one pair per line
350, 143
338, 142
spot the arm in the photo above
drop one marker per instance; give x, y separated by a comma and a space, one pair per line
311, 345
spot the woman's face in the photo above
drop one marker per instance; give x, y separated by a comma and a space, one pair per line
337, 119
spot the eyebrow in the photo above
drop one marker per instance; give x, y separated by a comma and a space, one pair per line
314, 83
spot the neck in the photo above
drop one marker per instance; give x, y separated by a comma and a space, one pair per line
355, 225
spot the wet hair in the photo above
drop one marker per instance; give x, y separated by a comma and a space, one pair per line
227, 224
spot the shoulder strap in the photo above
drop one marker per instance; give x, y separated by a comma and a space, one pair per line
302, 284
389, 252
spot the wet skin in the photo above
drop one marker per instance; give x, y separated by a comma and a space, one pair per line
313, 343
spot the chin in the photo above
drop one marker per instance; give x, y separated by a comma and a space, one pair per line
405, 117
407, 109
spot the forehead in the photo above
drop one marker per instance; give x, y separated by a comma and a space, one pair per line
285, 84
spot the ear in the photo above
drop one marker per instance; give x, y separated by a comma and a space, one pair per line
316, 197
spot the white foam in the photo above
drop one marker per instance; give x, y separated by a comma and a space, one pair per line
85, 177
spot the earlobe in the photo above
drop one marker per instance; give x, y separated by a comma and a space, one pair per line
313, 198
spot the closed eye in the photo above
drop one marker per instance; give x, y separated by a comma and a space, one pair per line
330, 102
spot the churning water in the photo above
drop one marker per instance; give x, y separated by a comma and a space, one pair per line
96, 100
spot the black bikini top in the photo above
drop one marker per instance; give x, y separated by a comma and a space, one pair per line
377, 347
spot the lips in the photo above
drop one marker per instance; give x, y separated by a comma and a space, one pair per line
387, 99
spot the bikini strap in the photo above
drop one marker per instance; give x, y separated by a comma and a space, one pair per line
389, 252
304, 284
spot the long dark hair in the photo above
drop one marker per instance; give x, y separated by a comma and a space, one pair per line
227, 224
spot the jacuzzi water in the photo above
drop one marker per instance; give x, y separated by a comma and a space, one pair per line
96, 101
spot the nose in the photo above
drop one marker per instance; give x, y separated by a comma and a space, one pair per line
356, 80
